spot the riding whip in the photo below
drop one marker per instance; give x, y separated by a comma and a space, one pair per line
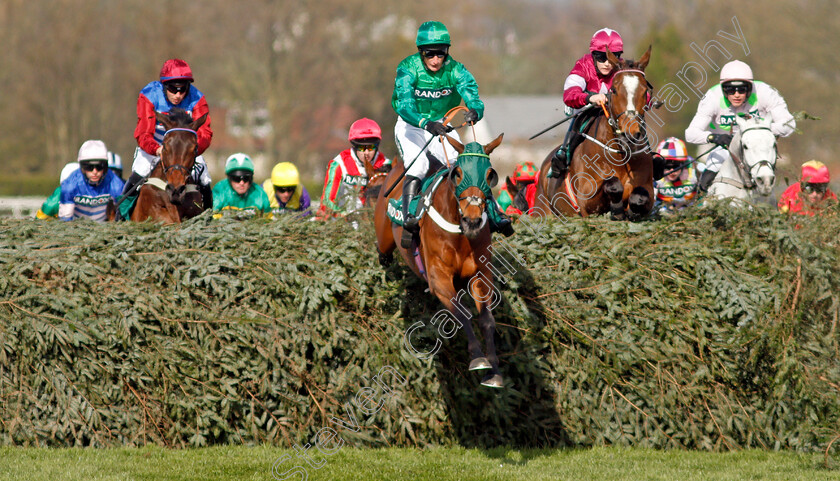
690, 162
446, 119
560, 122
133, 188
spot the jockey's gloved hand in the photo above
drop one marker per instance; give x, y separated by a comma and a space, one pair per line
471, 117
436, 128
720, 139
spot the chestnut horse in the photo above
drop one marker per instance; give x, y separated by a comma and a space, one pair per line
166, 196
376, 178
454, 247
612, 168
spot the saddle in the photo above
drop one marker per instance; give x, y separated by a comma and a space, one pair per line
127, 205
579, 126
428, 189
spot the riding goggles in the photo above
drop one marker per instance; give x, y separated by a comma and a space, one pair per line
91, 167
365, 148
819, 188
177, 88
284, 189
602, 56
234, 178
732, 89
435, 53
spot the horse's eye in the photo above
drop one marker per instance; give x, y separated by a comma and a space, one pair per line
746, 147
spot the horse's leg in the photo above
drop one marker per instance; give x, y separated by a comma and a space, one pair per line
615, 194
481, 289
444, 288
385, 243
638, 203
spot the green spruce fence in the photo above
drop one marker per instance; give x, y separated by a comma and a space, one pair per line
713, 330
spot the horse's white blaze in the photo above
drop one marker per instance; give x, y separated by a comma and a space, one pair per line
631, 83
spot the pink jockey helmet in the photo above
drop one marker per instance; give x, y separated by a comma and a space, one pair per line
175, 69
815, 172
605, 38
364, 129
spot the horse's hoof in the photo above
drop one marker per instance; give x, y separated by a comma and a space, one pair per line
494, 381
617, 215
480, 363
386, 260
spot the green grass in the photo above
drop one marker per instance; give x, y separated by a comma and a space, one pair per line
438, 464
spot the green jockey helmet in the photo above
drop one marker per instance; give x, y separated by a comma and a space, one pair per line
432, 33
239, 161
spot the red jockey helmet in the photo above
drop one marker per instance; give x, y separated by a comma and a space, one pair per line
815, 172
364, 129
606, 38
525, 172
175, 69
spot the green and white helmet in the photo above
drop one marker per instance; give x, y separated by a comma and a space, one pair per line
239, 161
433, 33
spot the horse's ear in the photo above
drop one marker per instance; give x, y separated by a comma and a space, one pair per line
742, 123
612, 58
458, 146
511, 186
198, 123
164, 119
492, 177
643, 62
495, 143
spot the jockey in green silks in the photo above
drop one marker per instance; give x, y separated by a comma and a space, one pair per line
428, 84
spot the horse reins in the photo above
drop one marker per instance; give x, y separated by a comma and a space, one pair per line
613, 122
745, 171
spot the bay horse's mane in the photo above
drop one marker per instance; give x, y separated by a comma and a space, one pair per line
180, 117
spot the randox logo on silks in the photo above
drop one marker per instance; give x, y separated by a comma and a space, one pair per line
432, 94
677, 191
91, 201
730, 119
354, 180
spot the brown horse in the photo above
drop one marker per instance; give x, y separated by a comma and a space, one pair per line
454, 247
376, 178
612, 169
166, 196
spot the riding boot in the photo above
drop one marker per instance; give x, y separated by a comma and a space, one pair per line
559, 163
129, 186
499, 222
560, 159
411, 226
206, 196
706, 179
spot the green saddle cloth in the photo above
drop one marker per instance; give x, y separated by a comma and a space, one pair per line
127, 206
395, 205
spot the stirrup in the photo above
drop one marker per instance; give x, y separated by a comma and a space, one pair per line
406, 239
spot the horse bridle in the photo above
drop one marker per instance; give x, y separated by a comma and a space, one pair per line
166, 168
746, 170
633, 115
